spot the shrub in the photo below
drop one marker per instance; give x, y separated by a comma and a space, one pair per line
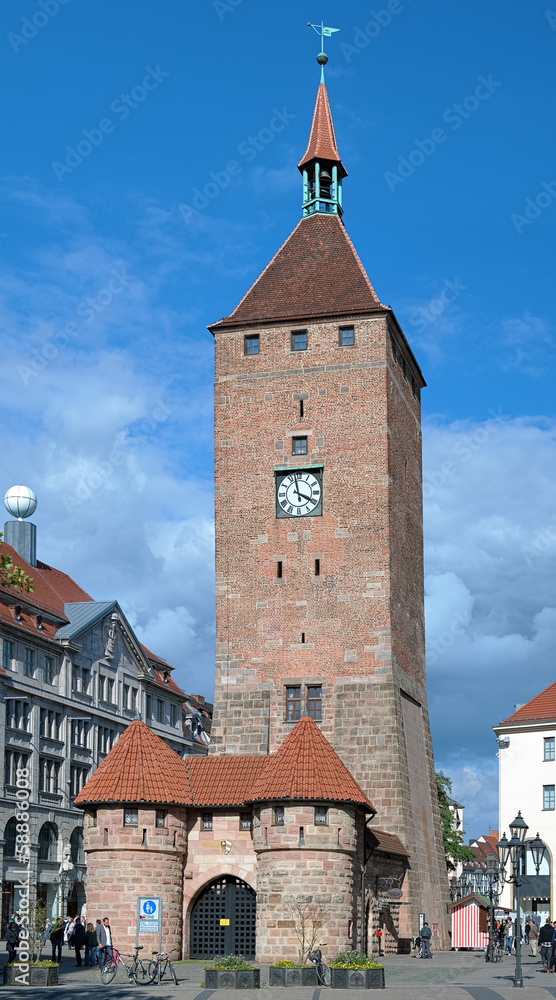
46, 963
230, 962
353, 960
285, 964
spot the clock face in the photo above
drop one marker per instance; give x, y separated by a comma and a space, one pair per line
298, 494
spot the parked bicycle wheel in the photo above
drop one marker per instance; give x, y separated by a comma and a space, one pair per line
172, 972
153, 972
142, 973
108, 971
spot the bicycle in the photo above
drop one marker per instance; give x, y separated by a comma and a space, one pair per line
138, 972
161, 965
323, 972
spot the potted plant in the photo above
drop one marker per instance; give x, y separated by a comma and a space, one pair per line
287, 973
352, 970
232, 972
31, 973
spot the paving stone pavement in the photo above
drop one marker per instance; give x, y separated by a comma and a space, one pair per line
449, 976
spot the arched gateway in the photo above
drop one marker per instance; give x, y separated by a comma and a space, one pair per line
223, 919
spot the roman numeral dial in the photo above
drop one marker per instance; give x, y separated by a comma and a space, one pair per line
298, 494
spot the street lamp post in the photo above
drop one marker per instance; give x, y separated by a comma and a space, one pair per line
515, 851
492, 877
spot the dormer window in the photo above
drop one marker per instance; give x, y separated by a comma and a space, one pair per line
17, 613
40, 626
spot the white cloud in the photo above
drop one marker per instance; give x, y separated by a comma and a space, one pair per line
491, 610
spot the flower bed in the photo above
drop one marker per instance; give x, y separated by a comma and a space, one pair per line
292, 974
232, 972
351, 970
26, 974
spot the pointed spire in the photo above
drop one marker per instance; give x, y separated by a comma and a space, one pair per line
321, 166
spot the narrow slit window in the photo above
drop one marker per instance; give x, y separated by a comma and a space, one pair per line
301, 836
279, 569
300, 407
303, 637
317, 567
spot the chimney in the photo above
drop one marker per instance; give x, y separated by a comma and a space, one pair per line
21, 535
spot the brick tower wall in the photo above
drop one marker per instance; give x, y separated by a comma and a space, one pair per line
317, 877
363, 617
120, 867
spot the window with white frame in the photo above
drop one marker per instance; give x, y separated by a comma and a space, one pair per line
549, 748
548, 796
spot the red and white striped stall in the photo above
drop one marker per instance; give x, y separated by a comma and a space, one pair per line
470, 917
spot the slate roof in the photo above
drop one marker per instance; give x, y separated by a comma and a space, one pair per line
306, 767
542, 706
82, 615
139, 768
316, 272
142, 768
322, 139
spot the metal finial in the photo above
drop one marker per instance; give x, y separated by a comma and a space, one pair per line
324, 32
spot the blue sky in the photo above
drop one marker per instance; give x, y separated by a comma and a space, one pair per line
123, 233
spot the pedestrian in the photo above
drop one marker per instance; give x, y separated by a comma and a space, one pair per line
12, 939
108, 948
545, 943
101, 941
509, 935
418, 947
90, 945
57, 939
426, 941
533, 938
78, 939
526, 930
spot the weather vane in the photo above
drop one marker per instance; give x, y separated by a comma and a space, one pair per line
324, 32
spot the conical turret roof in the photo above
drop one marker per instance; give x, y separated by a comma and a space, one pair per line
140, 768
305, 767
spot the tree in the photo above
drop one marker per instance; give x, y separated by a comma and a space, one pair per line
307, 920
13, 576
454, 847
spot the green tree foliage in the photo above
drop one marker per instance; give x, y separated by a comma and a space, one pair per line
454, 847
13, 576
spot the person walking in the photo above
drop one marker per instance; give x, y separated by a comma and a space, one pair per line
108, 935
509, 936
533, 938
12, 940
545, 943
78, 939
90, 945
426, 941
57, 939
100, 935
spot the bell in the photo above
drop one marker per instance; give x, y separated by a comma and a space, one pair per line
325, 182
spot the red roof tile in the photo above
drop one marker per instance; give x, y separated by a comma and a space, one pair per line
169, 684
322, 140
543, 706
388, 843
225, 780
316, 272
52, 588
306, 767
139, 768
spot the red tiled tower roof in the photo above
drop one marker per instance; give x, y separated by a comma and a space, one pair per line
223, 781
139, 768
306, 767
316, 272
322, 140
542, 706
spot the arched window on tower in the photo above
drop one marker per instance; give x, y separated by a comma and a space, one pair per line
9, 836
76, 847
48, 842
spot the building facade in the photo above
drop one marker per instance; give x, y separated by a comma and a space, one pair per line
73, 677
527, 784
